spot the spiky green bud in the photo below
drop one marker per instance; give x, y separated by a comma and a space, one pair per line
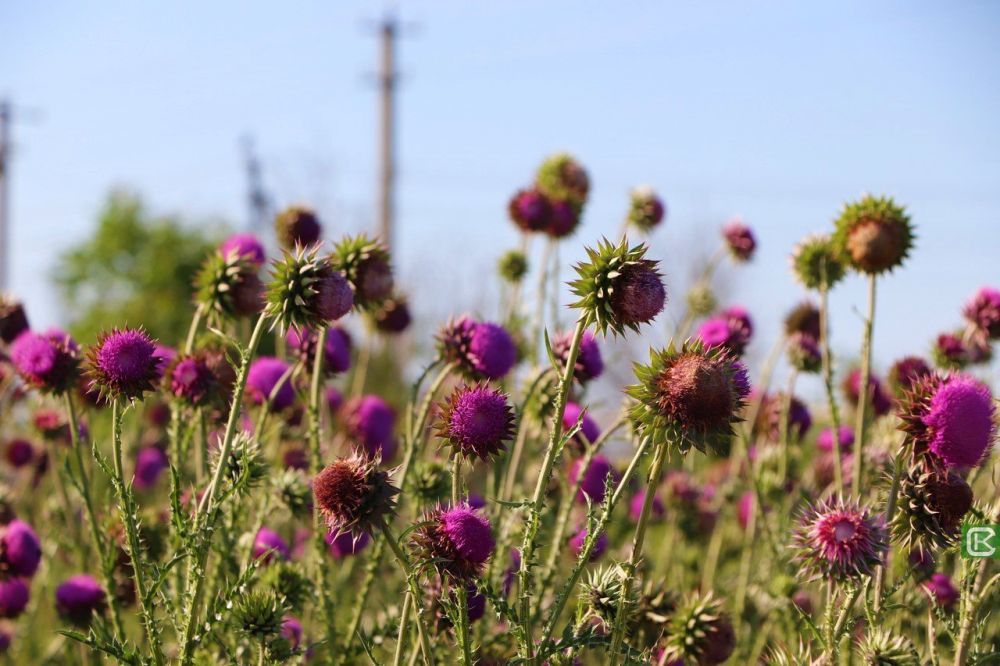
288, 582
306, 291
562, 178
259, 614
874, 234
513, 266
365, 264
228, 286
816, 262
699, 632
881, 648
701, 299
602, 594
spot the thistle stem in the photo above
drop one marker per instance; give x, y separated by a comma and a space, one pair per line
411, 581
890, 512
864, 392
831, 397
456, 480
522, 435
462, 594
404, 625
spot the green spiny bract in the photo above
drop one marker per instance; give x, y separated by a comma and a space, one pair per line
228, 286
816, 262
259, 614
655, 607
874, 235
881, 648
431, 482
246, 467
288, 582
930, 508
294, 492
294, 296
602, 594
513, 266
618, 288
689, 397
562, 178
699, 632
365, 264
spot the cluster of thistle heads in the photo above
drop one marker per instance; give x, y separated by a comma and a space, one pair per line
303, 454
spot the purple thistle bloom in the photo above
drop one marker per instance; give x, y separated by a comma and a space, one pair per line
841, 539
639, 294
656, 510
191, 379
960, 421
739, 239
983, 311
346, 544
852, 389
297, 226
476, 602
592, 485
492, 351
744, 507
337, 358
149, 464
370, 421
166, 356
906, 371
588, 426
950, 351
825, 440
47, 361
14, 596
730, 329
804, 353
577, 542
19, 452
530, 210
942, 590
20, 550
469, 532
589, 364
268, 545
78, 598
124, 364
291, 631
264, 374
563, 220
334, 296
247, 246
457, 540
510, 573
476, 421
334, 399
475, 501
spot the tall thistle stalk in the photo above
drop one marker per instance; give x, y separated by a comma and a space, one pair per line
827, 370
864, 392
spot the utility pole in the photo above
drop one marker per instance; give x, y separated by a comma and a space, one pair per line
258, 203
388, 31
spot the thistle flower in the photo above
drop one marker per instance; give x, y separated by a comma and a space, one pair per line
701, 299
20, 550
123, 364
930, 508
803, 319
699, 632
456, 541
246, 466
79, 598
592, 484
483, 350
589, 430
13, 320
365, 264
950, 352
6, 636
263, 378
149, 465
905, 372
804, 354
268, 546
192, 380
291, 631
346, 544
873, 234
476, 422
732, 329
259, 614
740, 240
589, 364
393, 316
564, 219
825, 440
816, 259
353, 495
48, 361
983, 312
306, 290
512, 266
288, 582
618, 287
646, 210
880, 402
950, 419
689, 397
227, 284
578, 541
602, 594
771, 412
881, 648
530, 210
337, 356
14, 597
18, 452
247, 246
656, 510
840, 539
942, 590
297, 226
562, 178
369, 421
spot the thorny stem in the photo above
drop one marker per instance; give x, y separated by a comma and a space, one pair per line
462, 594
522, 435
864, 391
404, 626
543, 276
193, 329
456, 480
890, 511
411, 581
845, 612
831, 397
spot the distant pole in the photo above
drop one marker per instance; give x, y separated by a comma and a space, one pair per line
257, 200
387, 134
5, 121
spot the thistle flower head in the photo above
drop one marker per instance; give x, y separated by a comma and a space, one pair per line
513, 266
193, 378
150, 463
817, 263
14, 597
930, 508
564, 219
873, 234
288, 582
247, 246
123, 364
562, 178
307, 291
18, 452
369, 421
13, 320
393, 316
259, 614
882, 648
530, 210
731, 329
690, 396
960, 420
269, 546
20, 550
773, 410
48, 361
476, 422
646, 210
602, 594
365, 264
942, 590
269, 383
845, 434
804, 353
79, 598
740, 240
700, 299
337, 349
618, 287
699, 632
354, 495
804, 318
592, 484
456, 541
589, 364
905, 372
880, 402
246, 467
227, 285
297, 227
983, 312
483, 350
840, 539
950, 351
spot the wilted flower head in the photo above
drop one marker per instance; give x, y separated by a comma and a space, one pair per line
365, 264
14, 597
740, 240
690, 397
589, 364
346, 544
297, 226
530, 210
247, 246
227, 284
699, 632
873, 234
149, 464
354, 495
983, 311
618, 287
456, 541
804, 353
48, 361
20, 550
123, 364
476, 422
393, 316
337, 356
804, 318
905, 372
839, 539
79, 598
268, 546
306, 290
816, 262
846, 436
594, 478
731, 329
562, 178
880, 402
483, 350
267, 377
13, 320
930, 508
369, 421
950, 351
646, 209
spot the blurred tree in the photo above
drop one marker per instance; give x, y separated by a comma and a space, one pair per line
136, 269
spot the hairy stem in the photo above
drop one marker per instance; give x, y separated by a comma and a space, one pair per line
864, 392
831, 397
411, 581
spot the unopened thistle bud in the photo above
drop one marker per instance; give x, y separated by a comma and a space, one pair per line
365, 264
701, 299
227, 285
513, 266
562, 178
699, 632
930, 508
259, 614
307, 291
297, 226
816, 263
646, 209
873, 234
602, 595
881, 648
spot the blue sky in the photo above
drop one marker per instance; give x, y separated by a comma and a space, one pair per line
776, 111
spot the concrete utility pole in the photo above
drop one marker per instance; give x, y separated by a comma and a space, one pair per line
258, 203
5, 120
388, 31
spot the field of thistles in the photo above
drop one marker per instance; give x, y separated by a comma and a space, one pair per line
255, 493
